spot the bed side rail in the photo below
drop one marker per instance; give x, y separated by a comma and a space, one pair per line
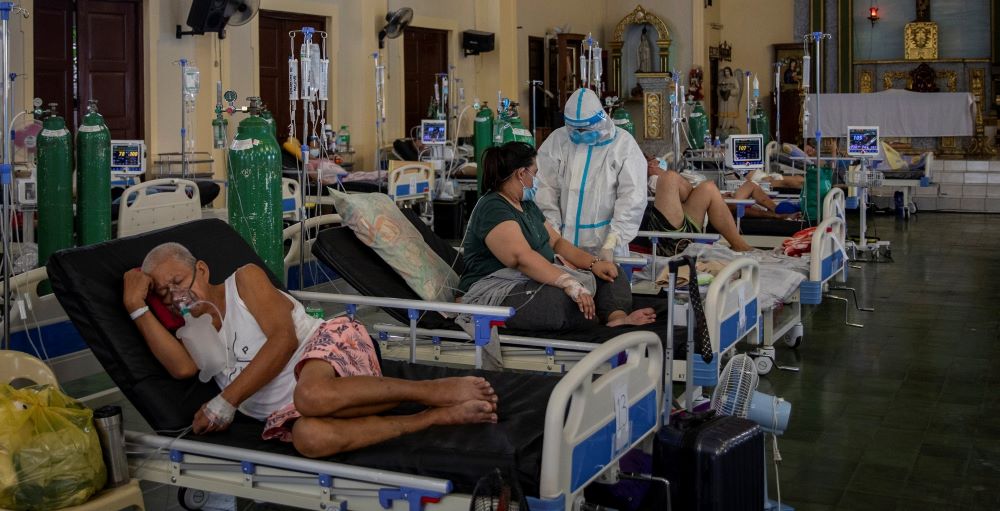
590, 423
827, 259
484, 317
732, 311
176, 448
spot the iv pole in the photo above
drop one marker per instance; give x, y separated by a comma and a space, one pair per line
6, 169
817, 37
777, 104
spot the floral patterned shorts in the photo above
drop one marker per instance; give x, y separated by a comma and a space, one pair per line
347, 347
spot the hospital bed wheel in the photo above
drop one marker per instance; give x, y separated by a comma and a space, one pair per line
191, 499
793, 342
764, 365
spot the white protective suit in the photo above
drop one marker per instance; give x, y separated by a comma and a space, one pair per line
593, 193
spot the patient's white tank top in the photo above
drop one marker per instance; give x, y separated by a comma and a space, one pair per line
243, 338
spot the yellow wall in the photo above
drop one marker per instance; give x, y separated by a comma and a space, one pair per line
538, 18
772, 24
354, 24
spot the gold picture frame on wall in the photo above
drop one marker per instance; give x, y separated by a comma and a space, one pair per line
790, 56
920, 40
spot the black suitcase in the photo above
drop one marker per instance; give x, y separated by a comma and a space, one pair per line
712, 462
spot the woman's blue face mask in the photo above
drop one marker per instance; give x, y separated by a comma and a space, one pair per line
528, 193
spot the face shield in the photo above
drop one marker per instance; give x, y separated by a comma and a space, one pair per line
586, 120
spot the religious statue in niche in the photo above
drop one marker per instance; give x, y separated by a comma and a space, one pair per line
695, 78
924, 79
920, 40
730, 93
644, 56
923, 10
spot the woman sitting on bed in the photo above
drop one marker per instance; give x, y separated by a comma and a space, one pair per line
514, 258
316, 383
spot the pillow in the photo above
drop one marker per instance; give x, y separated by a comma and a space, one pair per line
893, 159
378, 223
793, 150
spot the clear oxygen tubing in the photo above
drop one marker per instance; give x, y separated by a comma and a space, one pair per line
184, 158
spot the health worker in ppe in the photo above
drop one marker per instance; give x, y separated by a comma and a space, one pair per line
592, 179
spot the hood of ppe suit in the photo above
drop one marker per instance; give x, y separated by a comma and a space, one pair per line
587, 121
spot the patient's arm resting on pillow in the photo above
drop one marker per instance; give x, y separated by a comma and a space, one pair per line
165, 347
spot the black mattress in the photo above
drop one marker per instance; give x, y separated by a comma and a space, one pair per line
88, 283
363, 269
769, 227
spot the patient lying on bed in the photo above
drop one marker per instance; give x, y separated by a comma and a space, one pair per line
514, 258
680, 207
317, 383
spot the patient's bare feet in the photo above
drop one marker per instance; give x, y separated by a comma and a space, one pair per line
469, 412
452, 391
637, 318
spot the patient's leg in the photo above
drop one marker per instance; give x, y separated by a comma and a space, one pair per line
614, 301
707, 199
325, 436
672, 190
751, 190
320, 392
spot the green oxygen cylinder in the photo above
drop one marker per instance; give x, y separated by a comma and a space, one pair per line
482, 139
760, 124
623, 120
697, 125
55, 187
512, 127
93, 178
254, 167
266, 115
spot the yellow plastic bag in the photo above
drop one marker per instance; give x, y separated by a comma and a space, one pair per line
50, 455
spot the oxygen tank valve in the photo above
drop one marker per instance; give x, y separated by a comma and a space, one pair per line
91, 106
254, 105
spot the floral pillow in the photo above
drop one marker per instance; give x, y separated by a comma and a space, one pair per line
378, 223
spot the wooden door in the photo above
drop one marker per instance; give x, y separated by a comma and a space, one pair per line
54, 22
109, 39
536, 71
274, 51
425, 53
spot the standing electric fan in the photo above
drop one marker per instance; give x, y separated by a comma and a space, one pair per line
737, 395
494, 492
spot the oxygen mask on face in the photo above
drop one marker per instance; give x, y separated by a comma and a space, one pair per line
182, 299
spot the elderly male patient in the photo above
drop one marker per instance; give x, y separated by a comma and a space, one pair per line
317, 383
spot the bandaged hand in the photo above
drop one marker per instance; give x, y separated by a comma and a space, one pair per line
215, 415
578, 293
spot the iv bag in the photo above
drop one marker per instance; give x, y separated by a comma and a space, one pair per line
293, 79
324, 78
192, 80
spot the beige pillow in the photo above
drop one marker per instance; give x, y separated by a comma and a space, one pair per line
378, 223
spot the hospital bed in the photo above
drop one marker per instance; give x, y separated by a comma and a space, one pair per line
433, 338
908, 180
554, 450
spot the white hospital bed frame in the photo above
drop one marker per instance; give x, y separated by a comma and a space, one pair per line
141, 211
738, 283
585, 435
